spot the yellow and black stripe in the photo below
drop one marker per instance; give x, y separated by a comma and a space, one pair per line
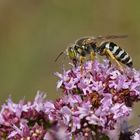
119, 53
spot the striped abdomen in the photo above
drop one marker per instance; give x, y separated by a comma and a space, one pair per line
118, 53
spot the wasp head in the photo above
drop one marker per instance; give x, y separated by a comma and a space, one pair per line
70, 52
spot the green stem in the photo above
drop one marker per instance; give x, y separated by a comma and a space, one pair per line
96, 133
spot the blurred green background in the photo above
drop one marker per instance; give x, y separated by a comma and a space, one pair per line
34, 32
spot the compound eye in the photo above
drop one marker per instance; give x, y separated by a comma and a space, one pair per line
70, 49
76, 47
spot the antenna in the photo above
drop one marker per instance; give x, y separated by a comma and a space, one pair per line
58, 56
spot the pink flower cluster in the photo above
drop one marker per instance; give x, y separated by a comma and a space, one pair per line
102, 96
25, 120
97, 99
102, 79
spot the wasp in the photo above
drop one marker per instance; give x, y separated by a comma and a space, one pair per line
90, 46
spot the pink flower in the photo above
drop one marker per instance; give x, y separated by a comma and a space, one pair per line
97, 98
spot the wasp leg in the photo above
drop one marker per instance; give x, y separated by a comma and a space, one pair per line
74, 61
92, 55
81, 63
113, 58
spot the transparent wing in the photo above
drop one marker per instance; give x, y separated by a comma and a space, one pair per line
109, 37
